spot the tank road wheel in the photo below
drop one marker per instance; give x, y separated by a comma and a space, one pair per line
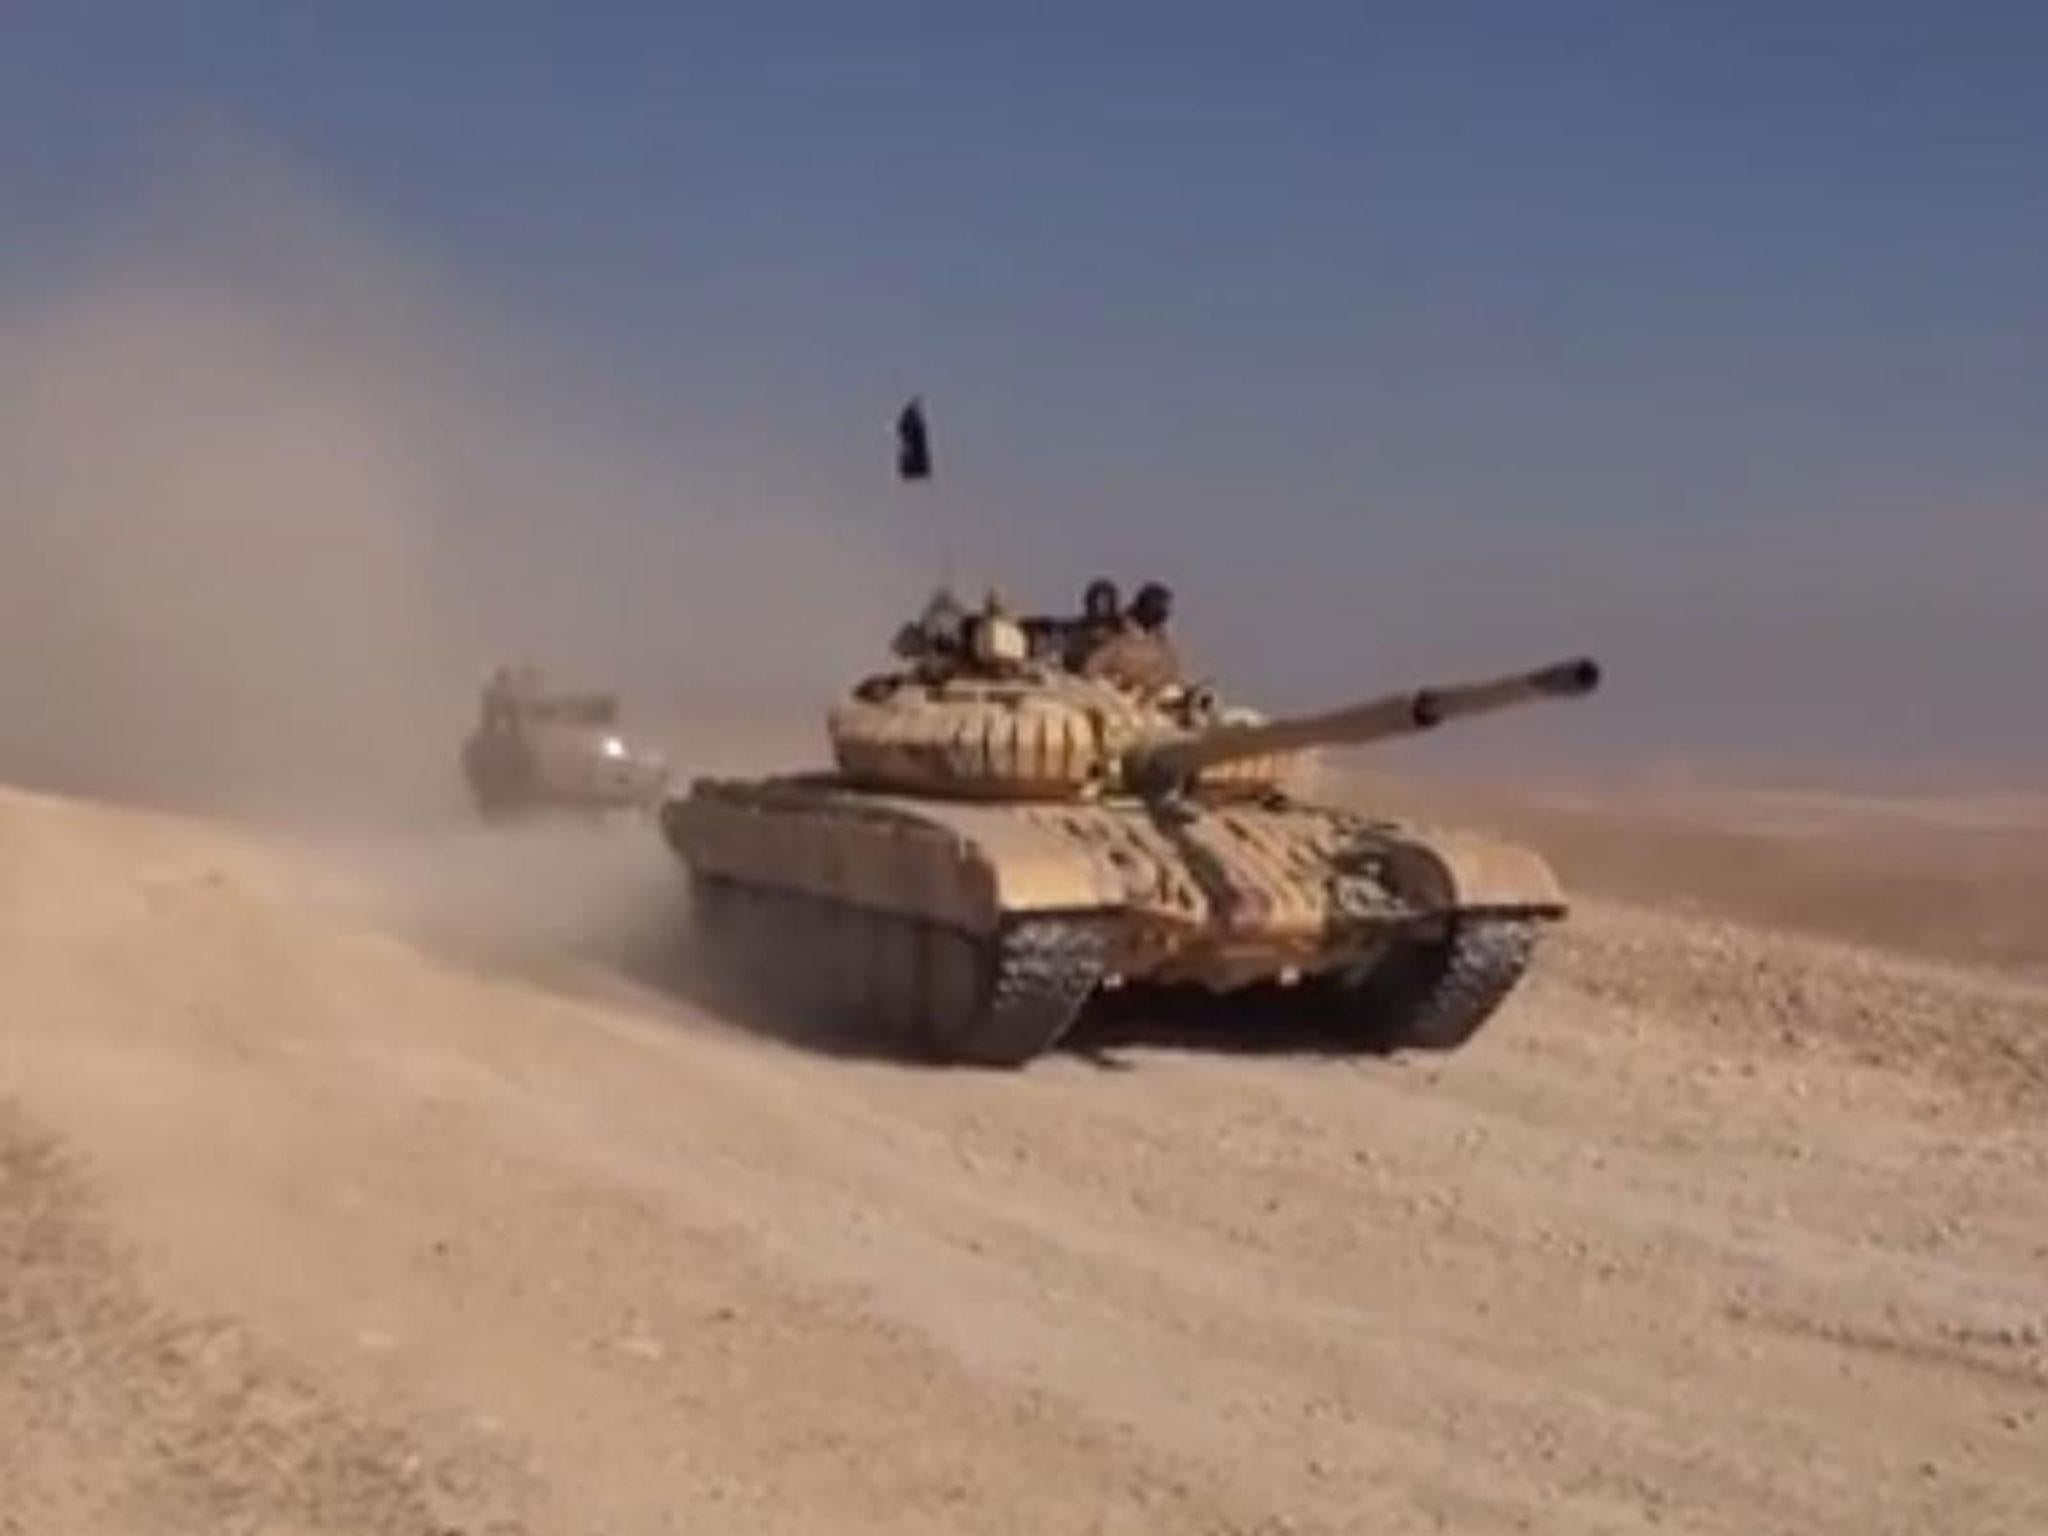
998, 1002
1432, 995
728, 930
719, 912
875, 999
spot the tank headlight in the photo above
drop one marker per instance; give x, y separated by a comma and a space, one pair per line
613, 748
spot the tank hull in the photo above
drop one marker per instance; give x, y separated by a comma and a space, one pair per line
1109, 892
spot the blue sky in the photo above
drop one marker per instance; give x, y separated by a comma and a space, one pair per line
1314, 305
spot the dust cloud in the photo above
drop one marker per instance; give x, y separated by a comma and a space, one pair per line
280, 490
278, 494
559, 902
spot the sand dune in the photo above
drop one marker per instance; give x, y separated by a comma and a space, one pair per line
397, 1192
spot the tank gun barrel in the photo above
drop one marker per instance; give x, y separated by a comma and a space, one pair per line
1161, 767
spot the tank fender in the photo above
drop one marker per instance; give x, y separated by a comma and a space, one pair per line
960, 865
1463, 871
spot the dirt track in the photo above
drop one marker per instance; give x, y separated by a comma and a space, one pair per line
321, 1213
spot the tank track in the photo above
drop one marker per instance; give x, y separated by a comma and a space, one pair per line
1434, 995
1041, 972
854, 979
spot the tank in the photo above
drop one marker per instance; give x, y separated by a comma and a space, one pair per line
998, 841
538, 747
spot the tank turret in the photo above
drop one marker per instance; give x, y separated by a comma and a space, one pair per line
1041, 733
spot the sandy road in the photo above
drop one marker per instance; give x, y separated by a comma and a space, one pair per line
314, 1217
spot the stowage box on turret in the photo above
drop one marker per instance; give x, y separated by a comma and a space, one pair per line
1000, 839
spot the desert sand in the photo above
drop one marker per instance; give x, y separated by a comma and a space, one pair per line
415, 1188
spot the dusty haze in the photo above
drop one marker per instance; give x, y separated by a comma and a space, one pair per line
277, 499
280, 489
420, 1189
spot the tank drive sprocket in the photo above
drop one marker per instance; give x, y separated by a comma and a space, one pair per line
1038, 972
1434, 994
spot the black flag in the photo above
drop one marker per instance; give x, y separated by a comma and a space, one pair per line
913, 447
